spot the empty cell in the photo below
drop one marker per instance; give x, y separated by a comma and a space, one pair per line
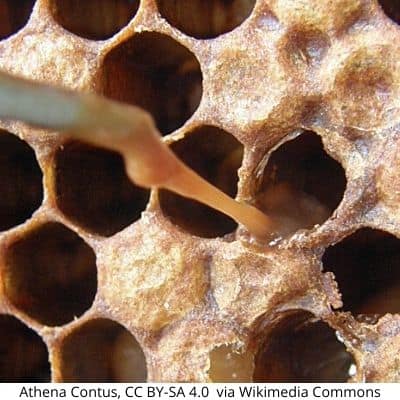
14, 14
301, 185
300, 348
21, 181
215, 155
23, 354
391, 9
93, 189
94, 19
50, 274
102, 351
366, 265
228, 364
205, 19
153, 71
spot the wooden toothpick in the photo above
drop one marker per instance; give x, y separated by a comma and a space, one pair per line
127, 129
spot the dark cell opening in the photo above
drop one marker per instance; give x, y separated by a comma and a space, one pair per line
23, 354
301, 185
14, 14
156, 73
216, 156
302, 349
391, 9
366, 265
21, 181
205, 19
94, 19
50, 274
102, 351
228, 364
94, 190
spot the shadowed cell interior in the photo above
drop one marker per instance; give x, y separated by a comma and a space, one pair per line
94, 19
21, 181
204, 19
23, 354
94, 190
50, 274
14, 14
300, 348
102, 350
301, 185
366, 265
391, 9
155, 72
215, 155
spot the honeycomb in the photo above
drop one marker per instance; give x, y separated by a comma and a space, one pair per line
289, 105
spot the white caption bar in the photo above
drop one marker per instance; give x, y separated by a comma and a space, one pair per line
200, 391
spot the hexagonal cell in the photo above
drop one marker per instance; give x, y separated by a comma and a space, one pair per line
153, 71
300, 348
102, 351
50, 274
24, 356
216, 156
228, 364
21, 181
391, 9
304, 47
366, 267
301, 185
93, 189
14, 14
365, 89
205, 19
94, 19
